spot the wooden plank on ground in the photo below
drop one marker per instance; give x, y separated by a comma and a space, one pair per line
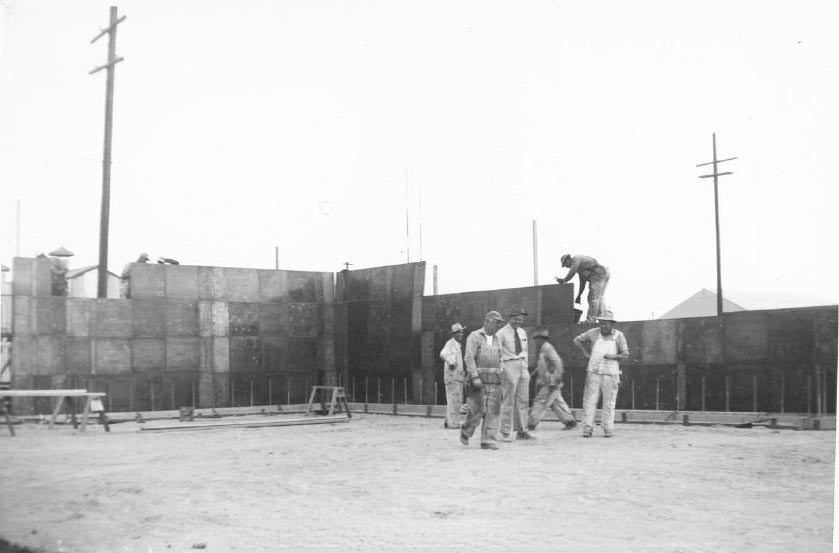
249, 424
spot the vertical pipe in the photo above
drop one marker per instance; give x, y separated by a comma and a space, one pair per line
276, 258
817, 368
657, 392
727, 395
251, 392
232, 393
405, 393
421, 394
269, 391
393, 389
407, 223
809, 394
435, 279
288, 390
535, 257
754, 393
436, 393
783, 386
151, 392
366, 395
633, 394
171, 395
193, 395
703, 392
378, 389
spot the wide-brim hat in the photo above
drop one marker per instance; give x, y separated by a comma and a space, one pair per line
494, 316
457, 327
607, 316
541, 333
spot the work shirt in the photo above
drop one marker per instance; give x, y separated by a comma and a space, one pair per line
587, 267
507, 337
549, 368
601, 345
483, 351
452, 357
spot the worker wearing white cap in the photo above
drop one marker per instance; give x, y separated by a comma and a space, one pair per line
605, 347
453, 375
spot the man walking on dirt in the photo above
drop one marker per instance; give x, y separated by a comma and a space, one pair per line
592, 273
483, 367
515, 384
453, 375
549, 373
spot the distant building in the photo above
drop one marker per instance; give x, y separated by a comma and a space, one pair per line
701, 304
84, 282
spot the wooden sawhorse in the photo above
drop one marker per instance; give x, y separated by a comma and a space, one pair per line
93, 402
337, 401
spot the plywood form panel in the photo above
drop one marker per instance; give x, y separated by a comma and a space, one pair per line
746, 336
23, 316
405, 279
659, 346
401, 317
111, 356
402, 353
241, 285
429, 353
244, 354
50, 315
22, 268
181, 282
378, 322
341, 318
380, 279
302, 286
328, 315
273, 286
325, 355
148, 354
702, 339
274, 350
78, 357
304, 320
182, 353
557, 304
356, 285
213, 318
273, 319
302, 355
244, 319
147, 280
80, 316
112, 318
208, 279
149, 317
791, 337
633, 332
23, 355
181, 318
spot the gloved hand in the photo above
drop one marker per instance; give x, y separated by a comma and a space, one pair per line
477, 383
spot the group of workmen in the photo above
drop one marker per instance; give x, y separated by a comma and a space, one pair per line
493, 367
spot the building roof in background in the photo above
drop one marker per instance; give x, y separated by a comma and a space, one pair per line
701, 304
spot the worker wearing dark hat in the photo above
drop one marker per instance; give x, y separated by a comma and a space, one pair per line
483, 367
453, 375
590, 273
515, 387
549, 373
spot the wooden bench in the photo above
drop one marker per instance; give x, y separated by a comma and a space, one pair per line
93, 402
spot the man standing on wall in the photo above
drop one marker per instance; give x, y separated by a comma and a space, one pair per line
452, 356
549, 373
483, 366
515, 387
605, 347
592, 273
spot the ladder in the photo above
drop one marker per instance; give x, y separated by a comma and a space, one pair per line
337, 400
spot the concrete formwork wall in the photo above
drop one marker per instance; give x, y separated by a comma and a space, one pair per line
203, 336
378, 314
545, 305
780, 360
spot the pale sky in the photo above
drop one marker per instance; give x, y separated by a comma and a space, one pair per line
243, 126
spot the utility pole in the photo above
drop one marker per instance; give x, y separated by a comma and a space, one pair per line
717, 174
407, 220
535, 257
276, 258
111, 31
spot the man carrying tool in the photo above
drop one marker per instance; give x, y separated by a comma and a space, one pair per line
515, 387
483, 366
604, 347
592, 273
549, 372
452, 356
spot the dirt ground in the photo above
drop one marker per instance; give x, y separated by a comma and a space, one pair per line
382, 483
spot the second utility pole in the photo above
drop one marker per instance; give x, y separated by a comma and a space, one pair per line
111, 30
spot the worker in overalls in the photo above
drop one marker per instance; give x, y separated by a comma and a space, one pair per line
453, 375
483, 367
549, 374
605, 347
